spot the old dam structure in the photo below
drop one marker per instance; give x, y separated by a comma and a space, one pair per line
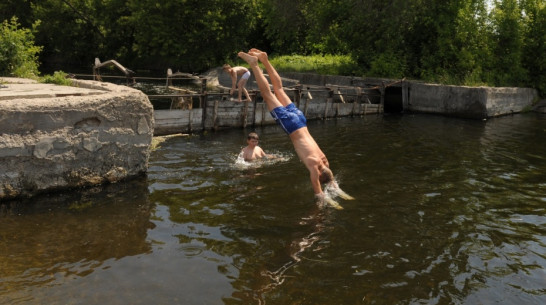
60, 137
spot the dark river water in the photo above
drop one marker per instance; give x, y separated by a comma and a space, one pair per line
447, 211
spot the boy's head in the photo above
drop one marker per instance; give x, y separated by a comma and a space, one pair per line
252, 135
226, 67
326, 176
252, 138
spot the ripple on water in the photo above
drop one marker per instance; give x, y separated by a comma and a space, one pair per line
446, 211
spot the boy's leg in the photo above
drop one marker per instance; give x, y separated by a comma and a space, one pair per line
246, 94
270, 99
242, 89
273, 75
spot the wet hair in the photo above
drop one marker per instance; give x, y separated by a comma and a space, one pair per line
226, 66
253, 135
326, 176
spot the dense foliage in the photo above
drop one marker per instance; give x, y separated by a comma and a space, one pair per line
494, 42
18, 54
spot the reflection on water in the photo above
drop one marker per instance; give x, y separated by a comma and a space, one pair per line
447, 211
65, 238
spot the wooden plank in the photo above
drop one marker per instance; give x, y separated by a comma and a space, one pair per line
169, 114
340, 96
180, 117
215, 115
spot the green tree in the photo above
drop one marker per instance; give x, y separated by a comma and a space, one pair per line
325, 20
453, 41
188, 34
374, 28
285, 25
117, 31
472, 43
18, 54
508, 44
68, 31
535, 42
17, 8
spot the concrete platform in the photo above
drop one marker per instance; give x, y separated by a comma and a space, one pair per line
16, 88
60, 137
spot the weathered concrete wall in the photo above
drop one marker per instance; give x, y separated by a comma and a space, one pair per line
501, 101
227, 114
327, 96
90, 134
177, 120
336, 80
469, 102
458, 101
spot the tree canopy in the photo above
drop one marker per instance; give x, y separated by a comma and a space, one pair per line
494, 42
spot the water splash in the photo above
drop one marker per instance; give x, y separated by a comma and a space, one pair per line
332, 191
274, 158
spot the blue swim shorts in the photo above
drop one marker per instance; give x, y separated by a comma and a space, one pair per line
290, 118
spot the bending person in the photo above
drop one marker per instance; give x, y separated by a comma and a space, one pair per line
235, 72
294, 123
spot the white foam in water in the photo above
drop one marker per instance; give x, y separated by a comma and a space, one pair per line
331, 192
240, 162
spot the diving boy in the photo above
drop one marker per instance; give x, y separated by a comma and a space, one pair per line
294, 123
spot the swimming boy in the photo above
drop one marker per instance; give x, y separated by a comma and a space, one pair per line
294, 123
235, 72
252, 151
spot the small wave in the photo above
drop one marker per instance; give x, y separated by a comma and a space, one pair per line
240, 163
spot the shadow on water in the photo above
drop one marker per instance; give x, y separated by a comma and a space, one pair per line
55, 239
447, 211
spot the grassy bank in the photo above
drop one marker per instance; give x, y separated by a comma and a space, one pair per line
320, 64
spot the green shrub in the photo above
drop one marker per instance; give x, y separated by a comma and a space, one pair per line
321, 64
388, 65
58, 77
18, 54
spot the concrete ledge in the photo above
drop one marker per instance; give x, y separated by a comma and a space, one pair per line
56, 137
469, 102
456, 101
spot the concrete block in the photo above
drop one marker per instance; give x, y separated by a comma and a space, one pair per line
469, 102
59, 137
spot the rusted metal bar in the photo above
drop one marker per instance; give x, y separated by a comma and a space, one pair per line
129, 74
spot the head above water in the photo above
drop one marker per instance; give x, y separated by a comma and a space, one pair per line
253, 136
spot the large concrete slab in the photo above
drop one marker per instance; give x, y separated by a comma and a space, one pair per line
58, 137
16, 88
469, 102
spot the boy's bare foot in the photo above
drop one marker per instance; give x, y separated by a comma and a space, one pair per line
251, 60
262, 56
